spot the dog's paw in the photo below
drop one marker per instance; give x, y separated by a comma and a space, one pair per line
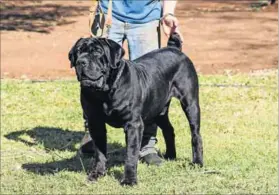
93, 176
197, 164
169, 156
198, 161
129, 182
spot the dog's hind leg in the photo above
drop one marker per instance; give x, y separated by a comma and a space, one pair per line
168, 132
192, 112
190, 106
188, 94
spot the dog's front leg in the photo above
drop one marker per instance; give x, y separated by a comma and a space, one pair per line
98, 164
99, 139
133, 131
97, 129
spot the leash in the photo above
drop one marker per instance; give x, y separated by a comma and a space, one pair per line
220, 85
92, 13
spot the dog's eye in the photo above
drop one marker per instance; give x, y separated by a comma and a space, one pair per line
97, 51
82, 63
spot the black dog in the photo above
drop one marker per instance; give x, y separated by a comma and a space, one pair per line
134, 95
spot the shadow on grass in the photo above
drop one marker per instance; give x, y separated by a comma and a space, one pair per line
50, 138
55, 139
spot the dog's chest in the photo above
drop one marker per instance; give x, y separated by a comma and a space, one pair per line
106, 109
115, 116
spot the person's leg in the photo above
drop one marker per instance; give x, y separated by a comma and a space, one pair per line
143, 38
116, 32
148, 153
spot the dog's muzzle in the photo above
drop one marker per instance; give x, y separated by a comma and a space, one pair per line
96, 84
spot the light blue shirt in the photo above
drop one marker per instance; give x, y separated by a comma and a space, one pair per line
134, 11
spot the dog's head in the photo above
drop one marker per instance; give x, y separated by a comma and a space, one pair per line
93, 59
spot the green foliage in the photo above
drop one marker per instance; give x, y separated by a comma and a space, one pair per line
41, 129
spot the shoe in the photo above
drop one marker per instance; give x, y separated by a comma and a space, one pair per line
152, 159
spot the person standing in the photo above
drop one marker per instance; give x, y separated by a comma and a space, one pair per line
138, 22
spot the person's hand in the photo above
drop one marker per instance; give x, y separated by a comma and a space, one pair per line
170, 25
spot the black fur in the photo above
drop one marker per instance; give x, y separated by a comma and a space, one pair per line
135, 95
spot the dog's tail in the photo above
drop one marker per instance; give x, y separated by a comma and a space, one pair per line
175, 41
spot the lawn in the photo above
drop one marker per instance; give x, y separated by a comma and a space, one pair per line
41, 129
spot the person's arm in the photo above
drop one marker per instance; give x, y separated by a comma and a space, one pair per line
169, 6
169, 21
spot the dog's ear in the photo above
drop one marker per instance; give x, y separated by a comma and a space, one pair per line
116, 52
72, 54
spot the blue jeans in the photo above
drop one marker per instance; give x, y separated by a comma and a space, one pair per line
142, 38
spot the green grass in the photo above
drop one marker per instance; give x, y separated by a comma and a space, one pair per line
41, 127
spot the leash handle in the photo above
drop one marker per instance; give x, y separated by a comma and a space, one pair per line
104, 22
92, 11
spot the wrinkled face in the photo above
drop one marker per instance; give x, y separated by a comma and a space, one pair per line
93, 58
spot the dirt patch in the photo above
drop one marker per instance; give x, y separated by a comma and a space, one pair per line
237, 35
